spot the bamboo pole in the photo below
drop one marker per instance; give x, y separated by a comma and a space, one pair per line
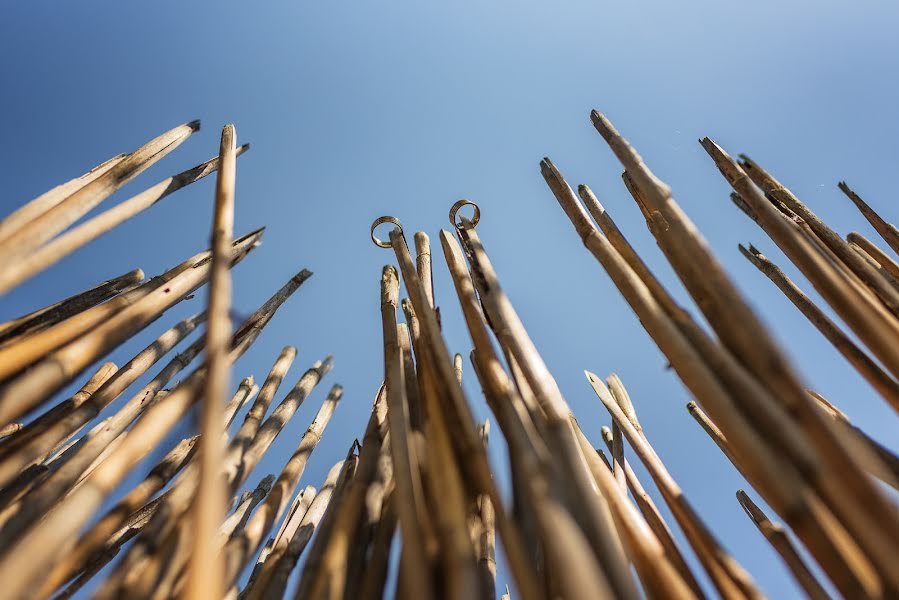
75, 462
659, 576
62, 310
96, 540
423, 264
887, 467
486, 542
843, 561
773, 188
323, 529
205, 569
55, 219
457, 411
289, 526
60, 247
299, 538
699, 367
780, 541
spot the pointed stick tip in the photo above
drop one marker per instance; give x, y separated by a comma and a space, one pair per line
194, 125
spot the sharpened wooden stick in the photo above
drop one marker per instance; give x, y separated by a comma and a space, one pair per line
108, 329
780, 541
62, 310
410, 496
43, 227
60, 247
878, 537
289, 526
589, 510
97, 539
486, 543
887, 231
48, 200
882, 258
67, 418
457, 411
241, 547
837, 245
656, 522
567, 547
729, 577
240, 460
330, 577
851, 571
879, 380
205, 569
657, 573
699, 365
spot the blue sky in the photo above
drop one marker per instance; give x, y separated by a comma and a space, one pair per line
355, 110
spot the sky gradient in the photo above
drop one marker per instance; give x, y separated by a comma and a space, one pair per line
355, 110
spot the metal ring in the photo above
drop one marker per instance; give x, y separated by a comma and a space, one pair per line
455, 209
380, 221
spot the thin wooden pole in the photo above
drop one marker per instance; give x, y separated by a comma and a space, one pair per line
887, 231
204, 581
60, 247
873, 374
49, 199
43, 227
780, 541
46, 225
241, 547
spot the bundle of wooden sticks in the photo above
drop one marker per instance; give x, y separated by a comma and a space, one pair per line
415, 509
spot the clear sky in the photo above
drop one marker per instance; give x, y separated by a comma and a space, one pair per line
358, 109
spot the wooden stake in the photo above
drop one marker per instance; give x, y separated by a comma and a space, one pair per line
204, 580
24, 240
